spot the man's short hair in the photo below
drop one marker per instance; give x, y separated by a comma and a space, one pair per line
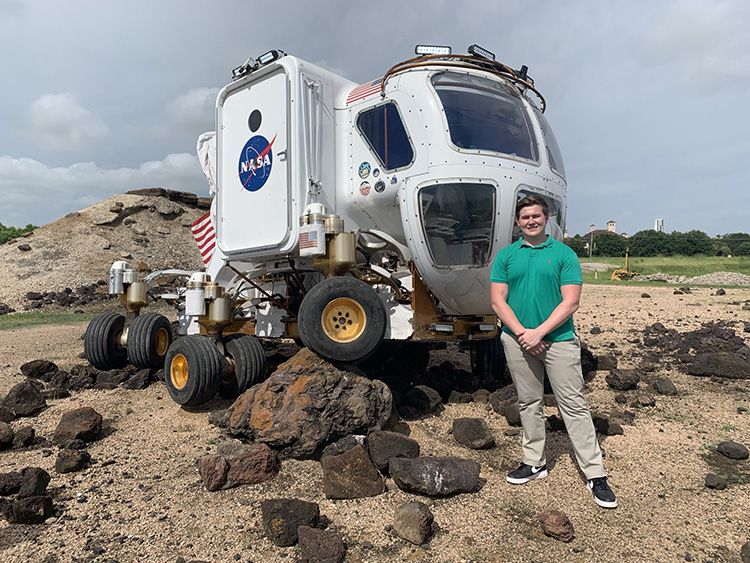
530, 200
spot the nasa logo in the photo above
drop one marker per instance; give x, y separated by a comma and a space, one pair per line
256, 161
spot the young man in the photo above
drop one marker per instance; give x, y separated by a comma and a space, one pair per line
536, 288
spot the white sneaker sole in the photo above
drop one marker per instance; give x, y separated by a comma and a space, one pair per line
540, 475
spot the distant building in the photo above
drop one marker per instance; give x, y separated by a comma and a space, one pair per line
659, 225
594, 232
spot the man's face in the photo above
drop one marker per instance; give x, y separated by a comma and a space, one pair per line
532, 221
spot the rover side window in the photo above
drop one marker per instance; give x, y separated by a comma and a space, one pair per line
383, 129
553, 149
458, 221
485, 115
555, 227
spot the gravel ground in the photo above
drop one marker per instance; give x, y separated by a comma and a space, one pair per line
142, 499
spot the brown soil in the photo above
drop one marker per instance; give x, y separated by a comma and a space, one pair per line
143, 500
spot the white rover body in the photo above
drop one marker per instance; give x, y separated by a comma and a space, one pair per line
346, 215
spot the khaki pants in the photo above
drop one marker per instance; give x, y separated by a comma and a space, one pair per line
563, 363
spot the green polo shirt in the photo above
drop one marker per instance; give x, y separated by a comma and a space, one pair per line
534, 275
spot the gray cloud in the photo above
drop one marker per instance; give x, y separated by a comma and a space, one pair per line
56, 191
646, 98
58, 123
707, 42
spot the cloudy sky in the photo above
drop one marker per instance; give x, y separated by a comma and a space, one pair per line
648, 99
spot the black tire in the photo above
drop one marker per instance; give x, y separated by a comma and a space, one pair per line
149, 337
249, 365
342, 319
488, 360
192, 370
101, 343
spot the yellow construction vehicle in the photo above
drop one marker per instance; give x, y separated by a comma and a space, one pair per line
623, 273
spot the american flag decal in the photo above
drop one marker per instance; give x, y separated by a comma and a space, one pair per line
308, 239
361, 92
205, 237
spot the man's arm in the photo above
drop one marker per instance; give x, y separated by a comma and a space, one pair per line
499, 295
571, 297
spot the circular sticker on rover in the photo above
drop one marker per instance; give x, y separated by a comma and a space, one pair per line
364, 188
376, 173
379, 186
364, 170
256, 161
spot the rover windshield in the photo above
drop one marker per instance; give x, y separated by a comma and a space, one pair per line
485, 115
458, 220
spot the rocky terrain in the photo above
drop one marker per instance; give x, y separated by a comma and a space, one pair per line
65, 263
113, 471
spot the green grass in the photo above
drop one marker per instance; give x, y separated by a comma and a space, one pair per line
689, 266
8, 322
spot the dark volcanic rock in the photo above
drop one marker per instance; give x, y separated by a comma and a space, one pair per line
351, 475
29, 510
385, 445
713, 481
588, 364
512, 414
435, 476
321, 545
282, 517
732, 450
69, 461
34, 481
720, 364
307, 404
139, 380
502, 397
111, 377
665, 387
459, 397
24, 437
412, 521
344, 445
623, 379
25, 399
605, 363
39, 369
556, 524
84, 423
606, 426
473, 433
423, 398
745, 552
6, 435
6, 415
10, 483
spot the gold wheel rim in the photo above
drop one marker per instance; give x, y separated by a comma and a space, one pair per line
343, 320
178, 371
161, 342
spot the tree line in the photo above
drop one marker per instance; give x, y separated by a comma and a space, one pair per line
659, 243
9, 233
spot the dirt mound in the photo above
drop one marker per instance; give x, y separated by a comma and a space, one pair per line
149, 228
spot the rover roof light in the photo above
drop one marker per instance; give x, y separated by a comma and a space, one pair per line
433, 50
481, 52
269, 56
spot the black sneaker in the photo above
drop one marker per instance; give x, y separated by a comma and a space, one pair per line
603, 495
526, 473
